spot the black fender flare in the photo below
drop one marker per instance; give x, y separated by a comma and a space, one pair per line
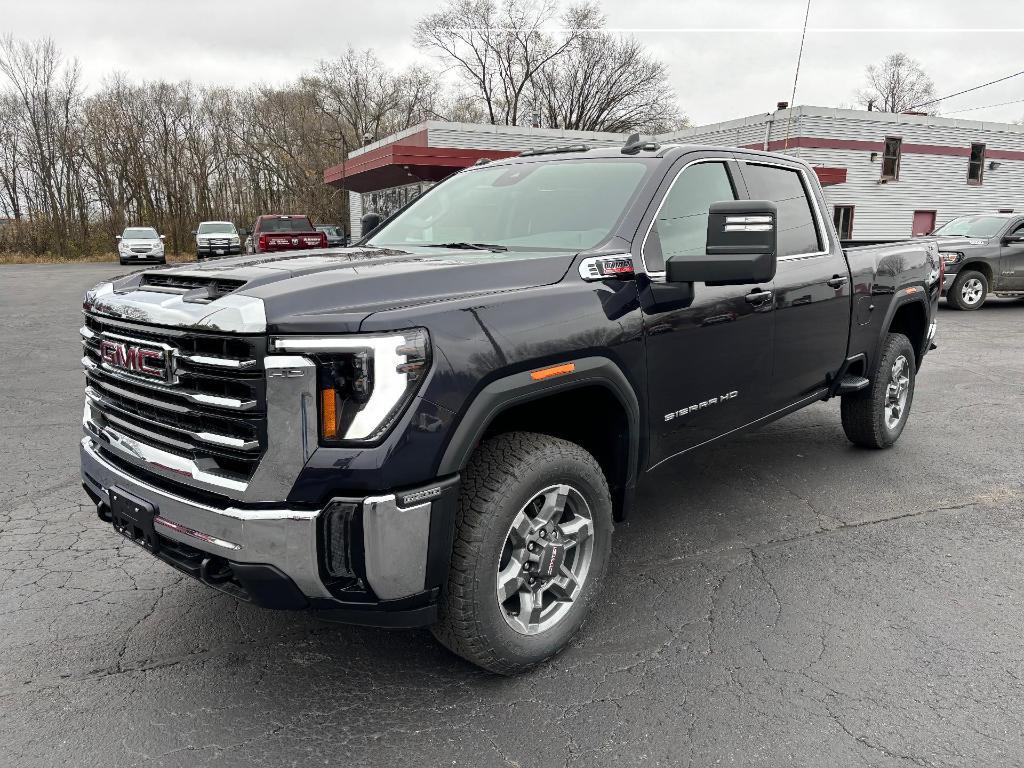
904, 297
520, 387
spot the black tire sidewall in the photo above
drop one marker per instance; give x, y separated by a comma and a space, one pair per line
955, 291
534, 476
897, 345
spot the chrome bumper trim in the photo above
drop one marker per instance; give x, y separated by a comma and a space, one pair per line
395, 540
284, 538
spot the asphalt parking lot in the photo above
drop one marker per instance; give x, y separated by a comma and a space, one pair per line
783, 599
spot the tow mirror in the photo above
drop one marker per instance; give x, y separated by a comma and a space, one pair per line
741, 246
370, 222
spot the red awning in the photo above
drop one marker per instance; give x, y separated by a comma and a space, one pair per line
830, 176
406, 161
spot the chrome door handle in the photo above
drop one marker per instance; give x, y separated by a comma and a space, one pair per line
758, 297
836, 281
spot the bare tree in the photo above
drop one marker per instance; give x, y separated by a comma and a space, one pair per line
608, 83
498, 50
898, 84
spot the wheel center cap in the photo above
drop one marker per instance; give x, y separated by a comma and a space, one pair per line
551, 557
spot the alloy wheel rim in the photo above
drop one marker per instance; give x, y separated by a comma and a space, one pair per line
897, 391
971, 291
545, 560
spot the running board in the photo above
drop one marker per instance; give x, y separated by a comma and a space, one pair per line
849, 384
843, 383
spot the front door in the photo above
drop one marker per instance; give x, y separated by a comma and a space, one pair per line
924, 223
812, 284
709, 348
1011, 261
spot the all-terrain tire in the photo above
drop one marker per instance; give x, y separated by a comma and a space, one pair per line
868, 415
974, 298
504, 474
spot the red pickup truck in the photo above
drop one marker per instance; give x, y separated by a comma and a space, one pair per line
276, 232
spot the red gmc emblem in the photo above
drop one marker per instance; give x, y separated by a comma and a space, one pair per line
134, 358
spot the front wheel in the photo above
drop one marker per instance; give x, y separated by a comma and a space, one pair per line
875, 416
533, 533
969, 290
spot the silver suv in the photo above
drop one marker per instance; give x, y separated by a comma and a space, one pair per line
140, 244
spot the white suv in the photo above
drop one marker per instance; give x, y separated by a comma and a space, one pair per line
140, 244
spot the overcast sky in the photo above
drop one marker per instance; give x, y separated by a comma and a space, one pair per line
726, 58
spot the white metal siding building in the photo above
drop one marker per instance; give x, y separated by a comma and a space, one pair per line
929, 186
932, 171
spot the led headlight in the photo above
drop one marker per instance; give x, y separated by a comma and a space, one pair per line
365, 382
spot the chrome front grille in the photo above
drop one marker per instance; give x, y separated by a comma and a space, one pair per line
210, 411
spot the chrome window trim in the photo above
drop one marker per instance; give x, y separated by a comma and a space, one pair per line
809, 192
808, 188
657, 212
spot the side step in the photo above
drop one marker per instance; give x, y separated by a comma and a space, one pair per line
849, 384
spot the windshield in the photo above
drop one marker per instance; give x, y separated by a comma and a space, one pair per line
140, 233
285, 224
209, 227
972, 226
554, 205
327, 230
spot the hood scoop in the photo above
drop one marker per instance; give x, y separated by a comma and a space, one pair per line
192, 289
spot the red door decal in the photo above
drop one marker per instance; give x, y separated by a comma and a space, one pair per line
924, 223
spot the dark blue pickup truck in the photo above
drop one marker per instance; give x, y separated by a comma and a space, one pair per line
439, 425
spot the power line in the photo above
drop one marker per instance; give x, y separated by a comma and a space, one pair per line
987, 106
960, 93
796, 74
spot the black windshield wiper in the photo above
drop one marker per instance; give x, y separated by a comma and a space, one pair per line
469, 246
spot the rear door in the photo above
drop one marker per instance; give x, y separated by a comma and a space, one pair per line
812, 294
1011, 260
709, 348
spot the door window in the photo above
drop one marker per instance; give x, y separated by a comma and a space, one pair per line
681, 226
798, 232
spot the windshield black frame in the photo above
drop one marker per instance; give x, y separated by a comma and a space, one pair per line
153, 236
226, 228
972, 219
379, 239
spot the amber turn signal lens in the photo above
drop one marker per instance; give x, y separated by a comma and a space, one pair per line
328, 414
554, 370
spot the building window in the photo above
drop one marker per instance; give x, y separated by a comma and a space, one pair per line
976, 165
891, 158
842, 215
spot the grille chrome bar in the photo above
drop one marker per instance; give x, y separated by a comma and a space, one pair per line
201, 398
213, 438
218, 362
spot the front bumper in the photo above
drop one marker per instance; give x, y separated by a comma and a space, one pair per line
276, 557
204, 249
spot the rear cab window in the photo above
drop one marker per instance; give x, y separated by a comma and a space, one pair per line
285, 224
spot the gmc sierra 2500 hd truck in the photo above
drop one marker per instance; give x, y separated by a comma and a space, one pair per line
438, 426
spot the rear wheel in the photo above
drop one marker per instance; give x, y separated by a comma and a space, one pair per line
875, 416
533, 533
969, 290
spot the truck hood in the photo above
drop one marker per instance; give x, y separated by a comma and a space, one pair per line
958, 241
324, 290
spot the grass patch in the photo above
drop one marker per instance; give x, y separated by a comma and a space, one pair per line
96, 258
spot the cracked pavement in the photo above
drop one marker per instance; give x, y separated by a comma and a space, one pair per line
780, 599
